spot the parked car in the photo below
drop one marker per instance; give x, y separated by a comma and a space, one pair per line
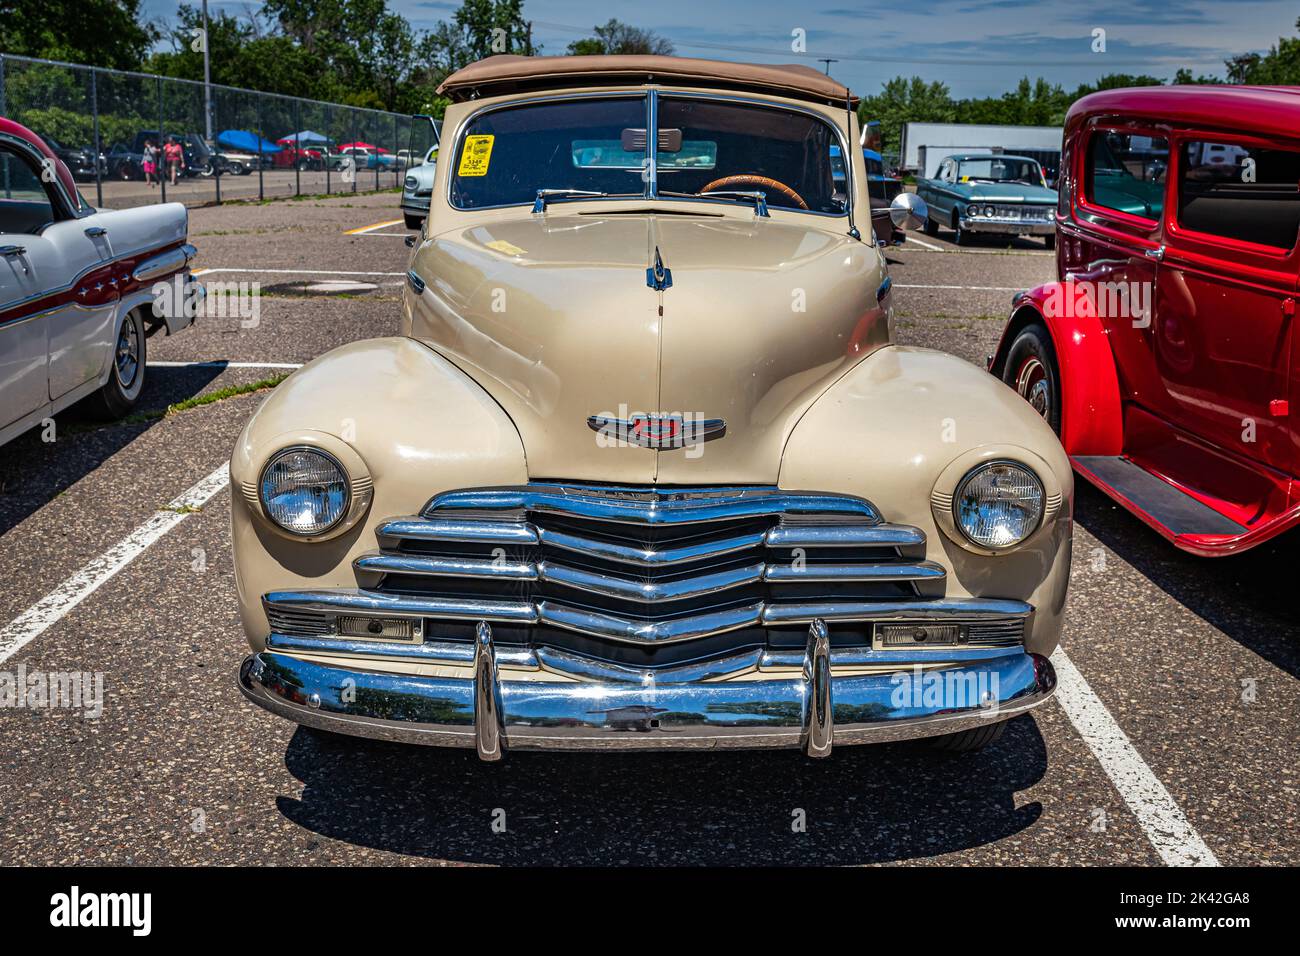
644, 468
883, 189
366, 158
293, 157
80, 160
989, 193
1167, 354
417, 189
124, 164
229, 162
76, 288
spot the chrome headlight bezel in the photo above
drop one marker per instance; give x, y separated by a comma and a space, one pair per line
359, 483
1057, 494
343, 479
960, 490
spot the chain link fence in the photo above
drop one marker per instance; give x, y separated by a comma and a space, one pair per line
113, 129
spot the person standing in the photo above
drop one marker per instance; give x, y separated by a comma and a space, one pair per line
149, 162
175, 158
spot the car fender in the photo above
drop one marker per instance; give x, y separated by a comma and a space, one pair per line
1091, 412
414, 422
901, 429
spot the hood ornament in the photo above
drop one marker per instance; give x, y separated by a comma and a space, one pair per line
656, 430
657, 277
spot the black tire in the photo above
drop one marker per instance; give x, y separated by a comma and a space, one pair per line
1050, 240
931, 228
960, 236
126, 380
235, 169
966, 741
413, 222
302, 165
1032, 371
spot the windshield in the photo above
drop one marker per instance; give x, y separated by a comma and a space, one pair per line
997, 169
600, 146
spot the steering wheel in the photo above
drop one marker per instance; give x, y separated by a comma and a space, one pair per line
755, 181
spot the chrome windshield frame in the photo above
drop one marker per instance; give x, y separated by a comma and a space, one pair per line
651, 95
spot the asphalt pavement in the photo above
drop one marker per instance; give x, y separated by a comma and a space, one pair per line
1175, 739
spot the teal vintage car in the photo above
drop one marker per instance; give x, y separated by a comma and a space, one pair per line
989, 192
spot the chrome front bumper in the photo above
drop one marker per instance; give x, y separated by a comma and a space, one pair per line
811, 712
415, 204
1009, 226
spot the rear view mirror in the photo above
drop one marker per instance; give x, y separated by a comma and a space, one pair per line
908, 211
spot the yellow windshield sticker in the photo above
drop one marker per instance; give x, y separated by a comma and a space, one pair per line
476, 156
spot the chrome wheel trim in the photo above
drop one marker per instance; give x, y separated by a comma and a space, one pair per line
126, 360
1033, 386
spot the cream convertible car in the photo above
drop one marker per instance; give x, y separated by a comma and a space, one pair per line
645, 469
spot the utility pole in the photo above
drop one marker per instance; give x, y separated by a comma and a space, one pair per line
828, 61
207, 80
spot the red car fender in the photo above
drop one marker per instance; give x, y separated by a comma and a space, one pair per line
1092, 420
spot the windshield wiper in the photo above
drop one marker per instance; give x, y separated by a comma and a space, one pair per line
539, 205
758, 197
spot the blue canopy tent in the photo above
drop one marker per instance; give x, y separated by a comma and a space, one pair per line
306, 138
245, 142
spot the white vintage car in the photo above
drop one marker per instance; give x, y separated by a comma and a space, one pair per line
77, 300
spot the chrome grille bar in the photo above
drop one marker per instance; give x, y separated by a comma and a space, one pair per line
644, 567
646, 556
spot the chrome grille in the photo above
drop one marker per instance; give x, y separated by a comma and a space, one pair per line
650, 566
647, 578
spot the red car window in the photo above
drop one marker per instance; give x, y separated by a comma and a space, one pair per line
1247, 193
1126, 172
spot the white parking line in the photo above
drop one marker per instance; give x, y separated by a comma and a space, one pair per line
1169, 831
962, 288
218, 363
46, 612
921, 242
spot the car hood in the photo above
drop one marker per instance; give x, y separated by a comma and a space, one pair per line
555, 317
1005, 192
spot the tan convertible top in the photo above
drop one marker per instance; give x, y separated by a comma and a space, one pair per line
506, 74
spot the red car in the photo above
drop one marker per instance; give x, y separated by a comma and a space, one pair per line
291, 156
1166, 355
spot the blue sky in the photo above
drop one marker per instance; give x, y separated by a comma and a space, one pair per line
977, 47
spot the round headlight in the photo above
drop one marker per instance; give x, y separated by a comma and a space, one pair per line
974, 210
998, 505
410, 182
305, 491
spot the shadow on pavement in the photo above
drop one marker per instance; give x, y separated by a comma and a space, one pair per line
866, 804
34, 471
1249, 597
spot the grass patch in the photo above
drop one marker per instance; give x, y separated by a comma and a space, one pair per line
183, 509
221, 394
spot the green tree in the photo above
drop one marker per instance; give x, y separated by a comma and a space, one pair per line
618, 38
479, 29
907, 101
97, 32
1280, 66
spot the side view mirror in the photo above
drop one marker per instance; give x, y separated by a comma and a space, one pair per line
908, 211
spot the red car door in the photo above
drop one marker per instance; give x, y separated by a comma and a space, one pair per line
1114, 257
1225, 298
